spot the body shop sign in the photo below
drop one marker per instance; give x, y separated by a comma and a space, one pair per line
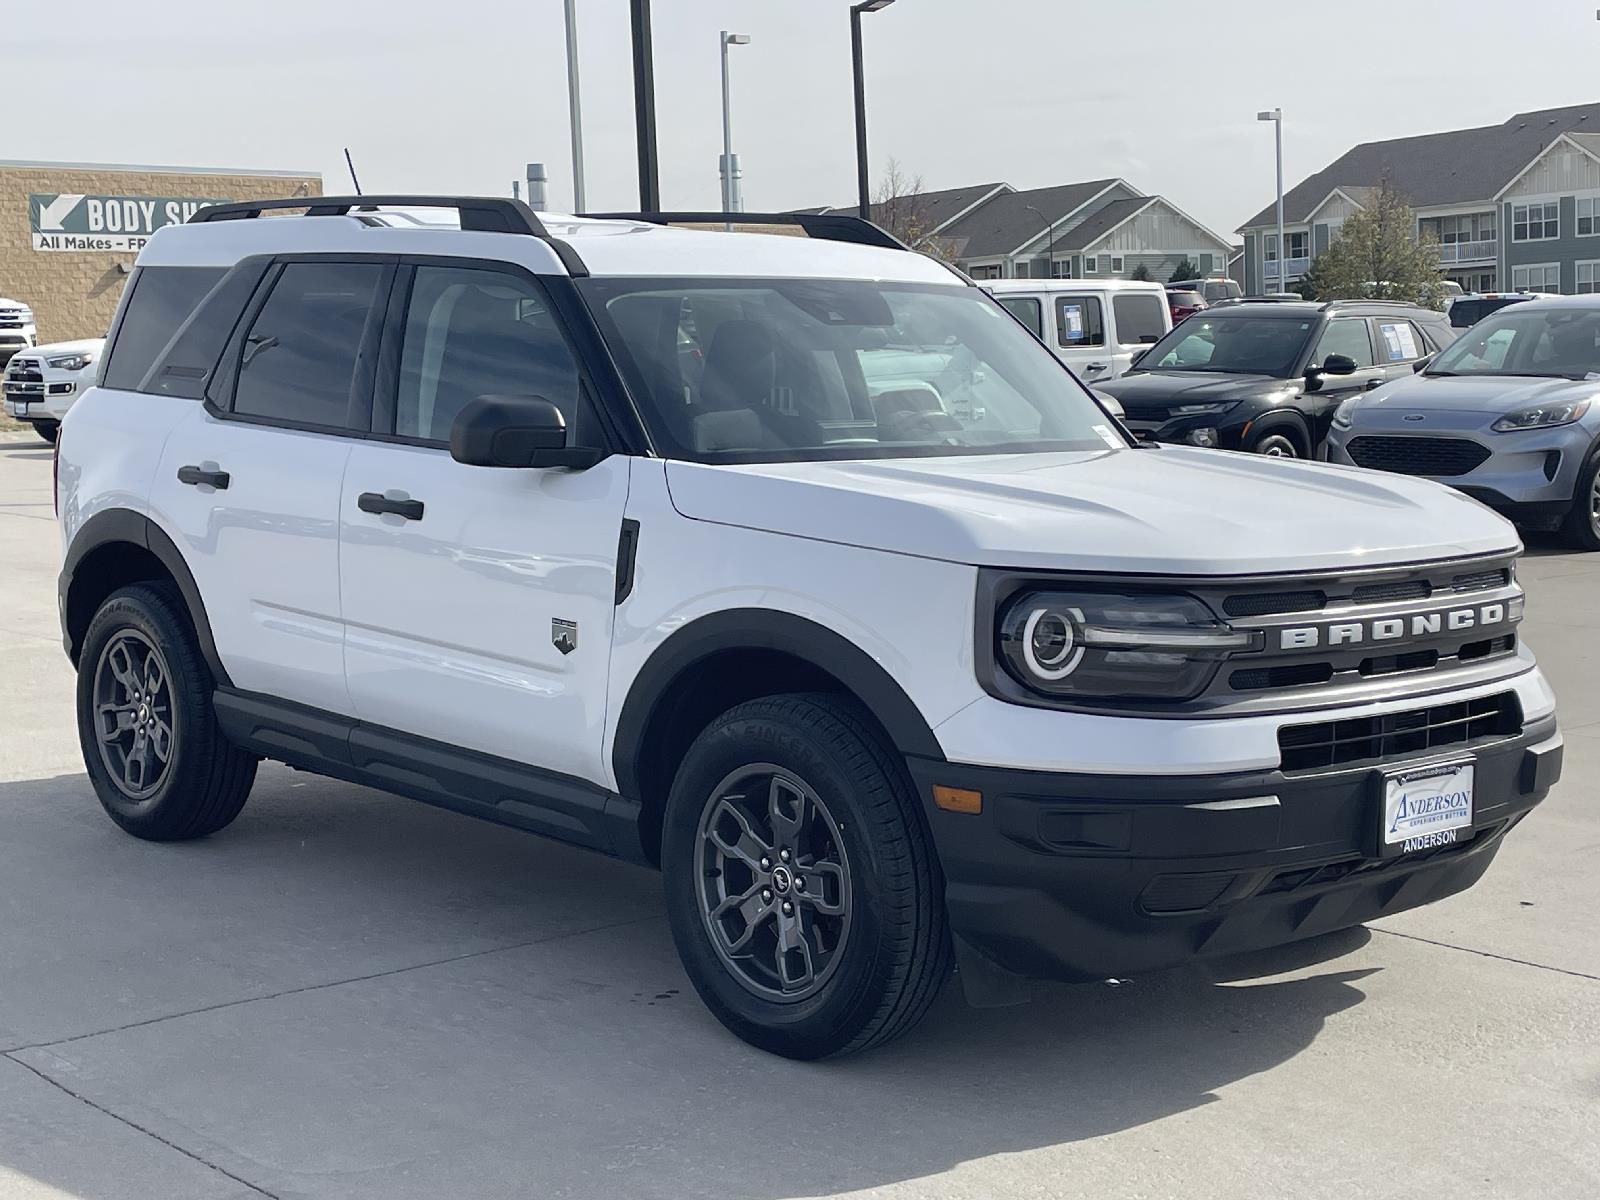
110, 223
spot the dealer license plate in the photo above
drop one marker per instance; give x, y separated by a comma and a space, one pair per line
1426, 807
17, 408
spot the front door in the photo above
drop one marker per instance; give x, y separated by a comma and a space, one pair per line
1350, 337
478, 602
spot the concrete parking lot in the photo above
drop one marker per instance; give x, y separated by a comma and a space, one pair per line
346, 994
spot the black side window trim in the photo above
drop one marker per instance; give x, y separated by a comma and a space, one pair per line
358, 414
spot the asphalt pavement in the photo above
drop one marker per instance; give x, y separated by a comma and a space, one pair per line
346, 994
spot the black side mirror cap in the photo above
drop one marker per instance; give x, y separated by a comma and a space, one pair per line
515, 431
1421, 365
1339, 364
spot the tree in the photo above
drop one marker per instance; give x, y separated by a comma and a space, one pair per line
1184, 270
1314, 283
1379, 256
1141, 273
901, 210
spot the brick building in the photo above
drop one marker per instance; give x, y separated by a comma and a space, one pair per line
69, 232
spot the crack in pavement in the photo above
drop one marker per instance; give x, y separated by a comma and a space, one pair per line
134, 1125
1521, 962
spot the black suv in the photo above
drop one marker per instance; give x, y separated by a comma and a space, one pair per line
1266, 377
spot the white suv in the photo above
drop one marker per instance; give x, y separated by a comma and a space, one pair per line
599, 528
41, 384
17, 330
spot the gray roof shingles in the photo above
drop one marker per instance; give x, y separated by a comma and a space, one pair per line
1456, 167
1005, 223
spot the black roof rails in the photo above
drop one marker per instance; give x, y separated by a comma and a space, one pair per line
487, 214
832, 227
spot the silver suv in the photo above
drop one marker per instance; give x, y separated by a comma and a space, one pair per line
1506, 414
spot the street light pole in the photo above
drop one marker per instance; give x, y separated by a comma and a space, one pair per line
574, 107
863, 185
1050, 231
1276, 117
644, 107
732, 200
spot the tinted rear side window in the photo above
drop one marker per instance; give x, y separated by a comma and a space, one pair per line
161, 300
185, 367
1139, 318
300, 353
1027, 310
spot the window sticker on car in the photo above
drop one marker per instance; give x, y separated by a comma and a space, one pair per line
1399, 340
1072, 321
1108, 437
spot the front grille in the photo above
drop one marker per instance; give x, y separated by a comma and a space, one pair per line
24, 377
1481, 581
1299, 878
1393, 664
1293, 675
1393, 735
1260, 604
1443, 457
1377, 593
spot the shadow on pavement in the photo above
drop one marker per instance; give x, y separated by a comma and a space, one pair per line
346, 993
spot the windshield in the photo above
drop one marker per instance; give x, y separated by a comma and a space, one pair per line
766, 370
1520, 341
1238, 345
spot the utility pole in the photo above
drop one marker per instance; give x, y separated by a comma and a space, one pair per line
644, 107
575, 108
732, 200
863, 184
1276, 117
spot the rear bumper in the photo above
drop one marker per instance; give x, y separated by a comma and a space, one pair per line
1092, 876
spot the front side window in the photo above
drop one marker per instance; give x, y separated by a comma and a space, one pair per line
741, 370
1026, 309
1080, 321
1535, 222
1526, 340
161, 300
1347, 336
300, 353
471, 333
1243, 345
1139, 318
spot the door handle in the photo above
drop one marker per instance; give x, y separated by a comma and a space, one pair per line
200, 475
1095, 367
379, 504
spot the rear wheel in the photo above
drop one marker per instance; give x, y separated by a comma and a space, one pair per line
1581, 528
151, 744
47, 430
802, 885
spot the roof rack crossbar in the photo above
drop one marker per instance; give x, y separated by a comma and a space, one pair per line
833, 227
485, 214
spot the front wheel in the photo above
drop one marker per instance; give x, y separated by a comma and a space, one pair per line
47, 430
1275, 445
1581, 529
802, 885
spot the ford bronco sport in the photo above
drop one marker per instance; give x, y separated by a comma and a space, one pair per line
794, 566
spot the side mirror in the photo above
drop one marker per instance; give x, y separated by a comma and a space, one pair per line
1138, 358
515, 431
1338, 364
1421, 365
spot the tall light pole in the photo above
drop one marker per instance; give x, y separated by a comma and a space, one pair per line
575, 107
863, 186
1276, 117
1050, 230
644, 106
732, 201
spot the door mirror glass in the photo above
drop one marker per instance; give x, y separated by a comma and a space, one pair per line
515, 431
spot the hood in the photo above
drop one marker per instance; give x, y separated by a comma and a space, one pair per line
1482, 394
55, 349
1147, 390
1167, 511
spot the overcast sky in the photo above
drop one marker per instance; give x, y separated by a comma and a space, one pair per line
457, 95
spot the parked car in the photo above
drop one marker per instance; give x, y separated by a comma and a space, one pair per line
1466, 311
453, 514
17, 330
41, 384
1183, 304
1507, 414
1211, 289
1267, 377
1094, 326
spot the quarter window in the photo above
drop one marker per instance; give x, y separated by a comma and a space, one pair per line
1027, 310
161, 300
1399, 341
1080, 321
472, 333
300, 354
1535, 222
1347, 336
1139, 318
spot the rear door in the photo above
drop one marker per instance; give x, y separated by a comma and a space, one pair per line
1399, 344
248, 484
479, 609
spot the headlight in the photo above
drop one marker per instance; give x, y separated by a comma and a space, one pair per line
1113, 646
1195, 410
1345, 413
1541, 418
71, 362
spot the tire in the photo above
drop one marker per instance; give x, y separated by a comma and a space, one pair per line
47, 430
141, 636
1275, 445
877, 945
1581, 528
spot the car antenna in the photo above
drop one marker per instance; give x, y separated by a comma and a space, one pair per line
350, 162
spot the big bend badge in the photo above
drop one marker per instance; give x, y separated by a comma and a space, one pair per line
564, 634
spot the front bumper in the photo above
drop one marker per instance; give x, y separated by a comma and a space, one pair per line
1071, 876
46, 401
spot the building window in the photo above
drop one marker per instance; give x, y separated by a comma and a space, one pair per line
1116, 264
984, 271
1587, 206
1535, 222
1019, 270
1296, 245
1588, 276
1538, 277
1061, 269
1271, 243
1090, 265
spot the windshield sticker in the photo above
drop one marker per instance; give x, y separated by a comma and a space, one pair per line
1399, 340
1072, 321
1109, 438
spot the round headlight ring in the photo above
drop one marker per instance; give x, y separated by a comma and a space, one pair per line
1051, 645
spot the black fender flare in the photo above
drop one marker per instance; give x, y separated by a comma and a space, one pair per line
764, 629
123, 525
1284, 418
